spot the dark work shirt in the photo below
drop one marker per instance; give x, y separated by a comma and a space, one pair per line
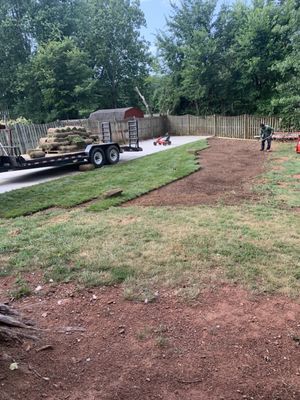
266, 132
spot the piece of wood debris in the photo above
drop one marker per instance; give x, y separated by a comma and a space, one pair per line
113, 193
46, 347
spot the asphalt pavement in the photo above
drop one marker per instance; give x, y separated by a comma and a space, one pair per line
19, 179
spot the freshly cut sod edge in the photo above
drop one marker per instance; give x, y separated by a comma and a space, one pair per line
134, 177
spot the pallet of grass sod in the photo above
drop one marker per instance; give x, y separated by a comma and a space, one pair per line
36, 153
68, 149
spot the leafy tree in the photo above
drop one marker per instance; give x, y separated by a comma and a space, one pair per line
61, 83
159, 90
118, 55
15, 46
39, 74
221, 60
195, 54
228, 85
55, 19
259, 44
286, 102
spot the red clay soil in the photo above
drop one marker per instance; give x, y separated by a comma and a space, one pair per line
228, 168
230, 344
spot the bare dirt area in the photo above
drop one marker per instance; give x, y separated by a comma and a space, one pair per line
228, 168
230, 344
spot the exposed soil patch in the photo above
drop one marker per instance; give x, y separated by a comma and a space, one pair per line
228, 168
230, 344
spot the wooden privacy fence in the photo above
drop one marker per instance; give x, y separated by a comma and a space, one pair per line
25, 136
190, 125
240, 127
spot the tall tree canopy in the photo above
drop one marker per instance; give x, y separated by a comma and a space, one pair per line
229, 59
286, 101
118, 54
15, 46
60, 78
65, 58
54, 19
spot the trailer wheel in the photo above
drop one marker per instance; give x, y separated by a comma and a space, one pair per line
97, 157
112, 155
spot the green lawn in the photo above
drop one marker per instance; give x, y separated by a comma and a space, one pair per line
135, 178
282, 182
177, 248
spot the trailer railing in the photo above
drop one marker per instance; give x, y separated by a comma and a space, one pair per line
9, 151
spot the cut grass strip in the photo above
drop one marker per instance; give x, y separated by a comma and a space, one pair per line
135, 178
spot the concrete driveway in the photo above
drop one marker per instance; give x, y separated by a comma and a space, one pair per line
19, 179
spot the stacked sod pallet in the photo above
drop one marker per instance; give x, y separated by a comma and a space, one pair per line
64, 140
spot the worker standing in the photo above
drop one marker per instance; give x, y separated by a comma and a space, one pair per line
266, 136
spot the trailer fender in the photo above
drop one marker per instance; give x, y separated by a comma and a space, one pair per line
88, 149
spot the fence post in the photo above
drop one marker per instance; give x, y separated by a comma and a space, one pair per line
215, 124
151, 125
245, 126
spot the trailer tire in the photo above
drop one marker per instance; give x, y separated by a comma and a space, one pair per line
112, 155
97, 157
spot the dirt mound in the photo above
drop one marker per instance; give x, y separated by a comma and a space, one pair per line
227, 170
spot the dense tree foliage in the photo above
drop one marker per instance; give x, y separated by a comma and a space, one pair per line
231, 59
65, 58
118, 55
286, 101
15, 47
59, 77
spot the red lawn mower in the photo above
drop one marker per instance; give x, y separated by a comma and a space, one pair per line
162, 140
